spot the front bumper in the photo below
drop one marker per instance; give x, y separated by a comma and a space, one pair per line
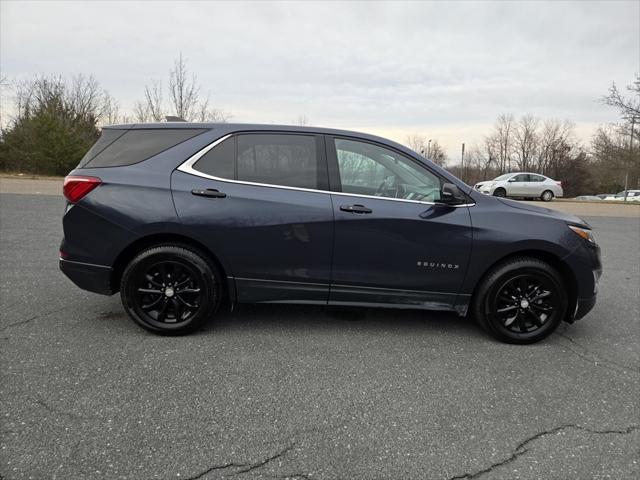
94, 278
587, 267
487, 190
583, 306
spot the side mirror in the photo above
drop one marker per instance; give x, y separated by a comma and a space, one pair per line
512, 179
450, 194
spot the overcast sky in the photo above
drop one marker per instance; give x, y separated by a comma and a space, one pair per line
442, 69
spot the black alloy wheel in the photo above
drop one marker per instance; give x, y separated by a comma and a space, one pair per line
524, 303
500, 192
521, 301
170, 289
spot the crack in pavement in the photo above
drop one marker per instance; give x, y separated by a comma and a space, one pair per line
243, 467
30, 319
584, 353
52, 409
522, 450
293, 476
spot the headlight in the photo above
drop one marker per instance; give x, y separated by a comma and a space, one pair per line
584, 233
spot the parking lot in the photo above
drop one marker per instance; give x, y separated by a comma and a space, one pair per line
307, 392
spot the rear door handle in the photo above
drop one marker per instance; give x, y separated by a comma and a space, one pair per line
355, 209
209, 192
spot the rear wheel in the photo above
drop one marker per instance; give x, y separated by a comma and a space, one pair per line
170, 289
500, 192
522, 300
546, 196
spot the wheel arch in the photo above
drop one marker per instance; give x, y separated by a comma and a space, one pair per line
152, 240
548, 257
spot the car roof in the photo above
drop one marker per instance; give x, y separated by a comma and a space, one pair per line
240, 126
253, 127
523, 173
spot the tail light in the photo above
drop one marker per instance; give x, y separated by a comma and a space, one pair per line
76, 187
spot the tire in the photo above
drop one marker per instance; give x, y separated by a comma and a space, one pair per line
500, 192
510, 316
546, 196
170, 305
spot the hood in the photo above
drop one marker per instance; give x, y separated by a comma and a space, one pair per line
567, 217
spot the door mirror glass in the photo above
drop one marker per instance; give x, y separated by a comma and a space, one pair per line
451, 194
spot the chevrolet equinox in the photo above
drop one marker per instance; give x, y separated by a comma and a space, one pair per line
182, 217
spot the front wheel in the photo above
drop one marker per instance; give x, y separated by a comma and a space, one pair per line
522, 300
170, 289
500, 192
547, 196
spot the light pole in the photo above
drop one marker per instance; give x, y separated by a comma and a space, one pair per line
626, 176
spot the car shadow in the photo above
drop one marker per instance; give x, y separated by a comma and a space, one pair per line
307, 317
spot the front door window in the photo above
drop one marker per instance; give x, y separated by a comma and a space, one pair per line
368, 169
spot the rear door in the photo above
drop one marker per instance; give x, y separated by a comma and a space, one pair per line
393, 244
536, 185
518, 185
253, 199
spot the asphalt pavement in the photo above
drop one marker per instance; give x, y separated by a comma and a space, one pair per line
306, 392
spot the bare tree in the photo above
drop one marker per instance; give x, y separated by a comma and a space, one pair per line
486, 156
427, 147
86, 97
153, 98
629, 106
4, 83
525, 141
437, 154
184, 90
207, 113
184, 99
552, 138
502, 138
111, 110
417, 143
141, 112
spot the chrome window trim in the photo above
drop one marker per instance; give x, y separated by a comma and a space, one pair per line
187, 167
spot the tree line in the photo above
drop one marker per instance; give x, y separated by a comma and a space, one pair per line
56, 120
606, 164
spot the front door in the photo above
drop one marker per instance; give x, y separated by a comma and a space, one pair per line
253, 200
392, 243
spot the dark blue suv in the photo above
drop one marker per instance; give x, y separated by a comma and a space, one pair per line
181, 217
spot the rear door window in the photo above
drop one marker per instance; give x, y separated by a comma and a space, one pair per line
117, 148
289, 160
278, 159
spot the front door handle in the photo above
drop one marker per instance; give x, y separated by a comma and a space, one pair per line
209, 192
355, 209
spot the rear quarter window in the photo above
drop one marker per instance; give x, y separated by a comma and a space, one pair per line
117, 148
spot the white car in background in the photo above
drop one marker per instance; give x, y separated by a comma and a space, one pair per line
632, 196
521, 185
